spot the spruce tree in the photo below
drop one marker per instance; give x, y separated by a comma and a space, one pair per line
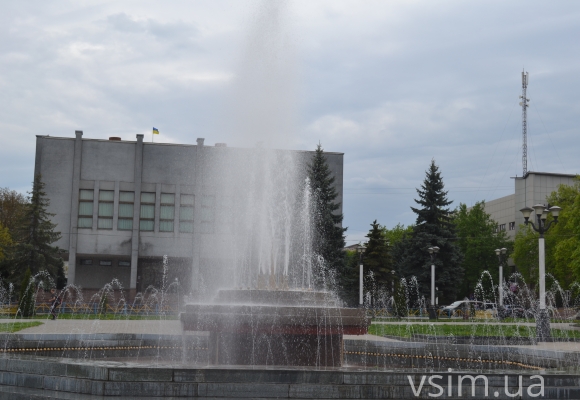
348, 279
328, 233
377, 260
26, 299
434, 227
35, 234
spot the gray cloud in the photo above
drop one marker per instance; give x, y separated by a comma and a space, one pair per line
391, 84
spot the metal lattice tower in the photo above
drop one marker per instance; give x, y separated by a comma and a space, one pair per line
525, 105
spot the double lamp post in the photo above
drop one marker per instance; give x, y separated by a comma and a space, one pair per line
541, 212
360, 250
500, 256
433, 254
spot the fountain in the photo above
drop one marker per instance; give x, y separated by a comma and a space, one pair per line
271, 327
264, 321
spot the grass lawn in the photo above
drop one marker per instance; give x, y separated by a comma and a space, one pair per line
10, 327
479, 330
466, 321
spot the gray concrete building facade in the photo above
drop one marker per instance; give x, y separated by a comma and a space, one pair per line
534, 188
121, 205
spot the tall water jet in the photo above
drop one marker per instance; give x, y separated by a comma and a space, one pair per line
267, 309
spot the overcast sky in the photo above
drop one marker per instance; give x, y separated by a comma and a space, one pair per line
392, 84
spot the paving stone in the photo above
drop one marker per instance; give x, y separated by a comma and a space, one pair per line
140, 374
72, 385
242, 390
148, 389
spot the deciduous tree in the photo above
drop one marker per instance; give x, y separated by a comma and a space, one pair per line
562, 241
12, 206
478, 237
5, 242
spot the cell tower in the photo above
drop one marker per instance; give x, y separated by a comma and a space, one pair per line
525, 105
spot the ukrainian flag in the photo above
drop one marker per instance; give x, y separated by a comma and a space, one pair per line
155, 131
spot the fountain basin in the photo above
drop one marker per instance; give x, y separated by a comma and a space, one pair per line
26, 377
294, 330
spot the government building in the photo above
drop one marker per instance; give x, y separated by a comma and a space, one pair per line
122, 205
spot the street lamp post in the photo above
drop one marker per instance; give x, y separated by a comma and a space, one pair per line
360, 250
500, 255
393, 281
433, 254
542, 319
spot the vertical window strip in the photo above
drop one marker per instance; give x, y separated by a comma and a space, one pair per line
85, 217
84, 222
86, 194
167, 198
147, 212
207, 208
167, 212
187, 200
86, 208
146, 225
186, 226
186, 213
126, 206
127, 197
124, 224
106, 195
105, 211
165, 226
147, 197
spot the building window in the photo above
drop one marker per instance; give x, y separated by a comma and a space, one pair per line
124, 263
106, 263
167, 212
502, 227
86, 261
147, 216
512, 226
186, 213
224, 214
105, 220
85, 208
207, 209
126, 201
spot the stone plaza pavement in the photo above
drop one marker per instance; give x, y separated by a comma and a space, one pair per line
173, 327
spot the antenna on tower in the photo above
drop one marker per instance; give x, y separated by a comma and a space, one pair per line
525, 105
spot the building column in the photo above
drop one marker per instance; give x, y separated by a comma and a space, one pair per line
136, 213
196, 235
74, 208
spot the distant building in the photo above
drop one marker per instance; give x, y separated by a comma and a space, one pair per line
534, 188
121, 205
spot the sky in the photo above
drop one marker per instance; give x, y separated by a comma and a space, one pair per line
391, 84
